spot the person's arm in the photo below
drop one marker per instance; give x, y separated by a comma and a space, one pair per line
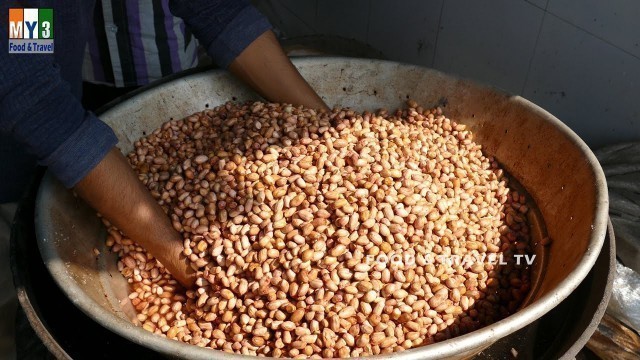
265, 67
115, 191
239, 38
39, 110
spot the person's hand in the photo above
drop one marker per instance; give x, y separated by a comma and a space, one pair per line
265, 67
113, 189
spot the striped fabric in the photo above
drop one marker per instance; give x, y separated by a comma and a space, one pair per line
136, 42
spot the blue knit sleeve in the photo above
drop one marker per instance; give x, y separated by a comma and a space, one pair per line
38, 109
224, 27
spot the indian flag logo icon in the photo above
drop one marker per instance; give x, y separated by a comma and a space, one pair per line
30, 31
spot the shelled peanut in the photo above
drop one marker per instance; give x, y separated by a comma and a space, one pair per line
288, 216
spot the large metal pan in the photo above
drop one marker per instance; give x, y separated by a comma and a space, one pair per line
552, 162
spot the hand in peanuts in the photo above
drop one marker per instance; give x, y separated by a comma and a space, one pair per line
114, 190
298, 223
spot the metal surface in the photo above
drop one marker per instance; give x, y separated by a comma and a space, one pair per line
68, 333
22, 276
546, 157
49, 325
595, 291
563, 332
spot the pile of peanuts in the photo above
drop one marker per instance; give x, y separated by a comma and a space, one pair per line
288, 215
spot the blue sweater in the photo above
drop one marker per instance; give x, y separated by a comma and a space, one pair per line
41, 117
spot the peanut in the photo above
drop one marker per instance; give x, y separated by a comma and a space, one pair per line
288, 214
